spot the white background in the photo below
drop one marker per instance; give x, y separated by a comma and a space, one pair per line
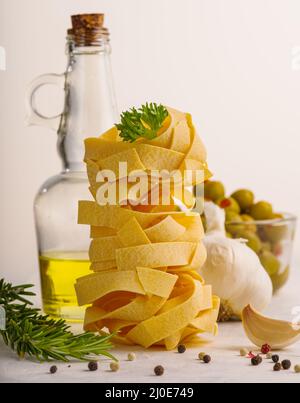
228, 62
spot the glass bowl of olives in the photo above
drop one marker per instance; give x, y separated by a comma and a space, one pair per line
269, 234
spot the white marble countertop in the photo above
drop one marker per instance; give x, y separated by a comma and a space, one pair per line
226, 367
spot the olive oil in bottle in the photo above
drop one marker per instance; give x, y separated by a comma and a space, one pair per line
59, 272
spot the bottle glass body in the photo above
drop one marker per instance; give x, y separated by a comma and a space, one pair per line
89, 110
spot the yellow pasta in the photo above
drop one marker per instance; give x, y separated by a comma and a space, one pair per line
145, 287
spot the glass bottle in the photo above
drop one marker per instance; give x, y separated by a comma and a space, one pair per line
89, 110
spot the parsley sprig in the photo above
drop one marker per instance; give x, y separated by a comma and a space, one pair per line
144, 122
29, 333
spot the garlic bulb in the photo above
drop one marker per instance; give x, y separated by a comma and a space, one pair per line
233, 269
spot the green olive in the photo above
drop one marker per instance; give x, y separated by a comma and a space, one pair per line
253, 240
250, 226
232, 216
214, 190
270, 263
245, 198
280, 279
232, 223
229, 204
261, 211
276, 232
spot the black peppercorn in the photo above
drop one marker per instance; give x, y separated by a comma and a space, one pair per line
53, 369
286, 364
93, 366
207, 359
181, 348
275, 358
277, 367
255, 361
159, 370
259, 359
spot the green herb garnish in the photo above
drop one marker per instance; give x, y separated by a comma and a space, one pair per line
29, 333
143, 122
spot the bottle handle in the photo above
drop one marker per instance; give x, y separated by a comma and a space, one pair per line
33, 116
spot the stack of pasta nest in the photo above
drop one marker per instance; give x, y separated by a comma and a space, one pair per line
145, 287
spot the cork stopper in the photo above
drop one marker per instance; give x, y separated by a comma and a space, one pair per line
87, 21
88, 30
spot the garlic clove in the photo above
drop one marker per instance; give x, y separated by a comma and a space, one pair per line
233, 269
261, 329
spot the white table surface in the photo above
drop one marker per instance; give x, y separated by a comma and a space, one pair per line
226, 367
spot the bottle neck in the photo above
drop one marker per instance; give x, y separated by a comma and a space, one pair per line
90, 105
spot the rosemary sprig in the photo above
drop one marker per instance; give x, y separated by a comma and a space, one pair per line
29, 333
143, 122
